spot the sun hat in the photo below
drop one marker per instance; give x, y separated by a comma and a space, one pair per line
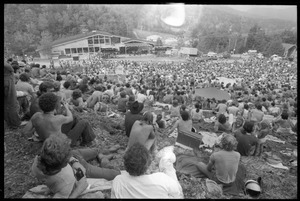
136, 107
252, 188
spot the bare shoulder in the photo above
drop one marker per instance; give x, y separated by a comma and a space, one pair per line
36, 116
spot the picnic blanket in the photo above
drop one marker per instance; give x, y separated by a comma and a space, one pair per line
186, 164
96, 186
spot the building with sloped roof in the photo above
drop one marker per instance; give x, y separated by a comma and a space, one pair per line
81, 46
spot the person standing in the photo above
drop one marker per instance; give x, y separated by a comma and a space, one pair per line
11, 116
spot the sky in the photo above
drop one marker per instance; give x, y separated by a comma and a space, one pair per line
246, 7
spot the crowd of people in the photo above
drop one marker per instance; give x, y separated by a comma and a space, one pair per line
262, 100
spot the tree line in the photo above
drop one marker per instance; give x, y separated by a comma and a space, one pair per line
28, 27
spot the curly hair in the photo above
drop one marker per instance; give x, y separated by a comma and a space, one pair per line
76, 94
228, 142
222, 119
55, 154
248, 126
48, 101
137, 159
66, 84
44, 86
24, 77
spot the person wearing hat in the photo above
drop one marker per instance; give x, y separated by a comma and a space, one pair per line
11, 116
132, 115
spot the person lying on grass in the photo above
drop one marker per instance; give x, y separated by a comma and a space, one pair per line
136, 183
46, 123
64, 171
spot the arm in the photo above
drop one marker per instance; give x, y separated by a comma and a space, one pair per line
210, 163
29, 128
174, 127
80, 187
216, 126
69, 117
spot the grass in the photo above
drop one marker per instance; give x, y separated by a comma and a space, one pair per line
19, 155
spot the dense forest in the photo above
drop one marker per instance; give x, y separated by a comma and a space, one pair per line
28, 27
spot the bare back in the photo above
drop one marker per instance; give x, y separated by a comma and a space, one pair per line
47, 124
140, 133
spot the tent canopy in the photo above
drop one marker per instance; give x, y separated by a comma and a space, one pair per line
212, 92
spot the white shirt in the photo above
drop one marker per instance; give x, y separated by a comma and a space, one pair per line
141, 98
156, 185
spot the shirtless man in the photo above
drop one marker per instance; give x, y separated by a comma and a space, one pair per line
46, 123
143, 132
95, 97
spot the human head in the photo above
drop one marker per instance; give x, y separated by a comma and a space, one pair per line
158, 117
228, 142
67, 84
184, 115
248, 126
56, 85
148, 117
45, 87
246, 106
55, 154
24, 77
175, 102
123, 94
285, 115
76, 94
239, 121
222, 119
137, 159
258, 106
48, 101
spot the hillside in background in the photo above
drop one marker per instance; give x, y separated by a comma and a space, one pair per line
37, 25
289, 13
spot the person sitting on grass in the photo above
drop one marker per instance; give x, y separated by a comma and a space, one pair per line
46, 123
161, 123
222, 124
282, 124
247, 142
175, 109
136, 183
197, 113
95, 97
143, 132
64, 171
183, 124
122, 101
223, 164
264, 129
77, 100
238, 124
67, 91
